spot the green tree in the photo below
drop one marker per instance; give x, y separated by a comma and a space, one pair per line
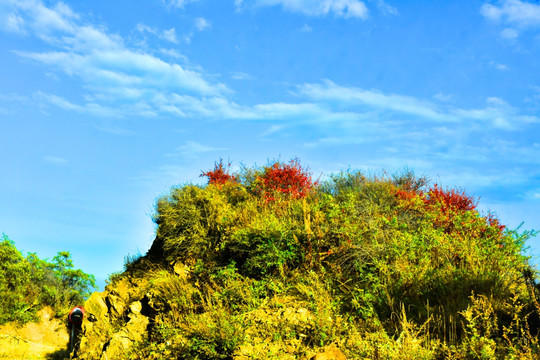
30, 283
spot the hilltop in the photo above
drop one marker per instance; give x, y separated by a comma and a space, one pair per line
267, 263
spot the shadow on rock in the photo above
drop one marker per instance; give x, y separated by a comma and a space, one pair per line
58, 355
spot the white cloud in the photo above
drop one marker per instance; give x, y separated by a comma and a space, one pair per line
142, 28
518, 13
341, 8
54, 160
14, 23
509, 34
194, 149
306, 28
169, 35
174, 54
497, 113
386, 9
498, 66
241, 76
121, 81
178, 3
88, 108
443, 97
202, 24
515, 15
328, 91
108, 68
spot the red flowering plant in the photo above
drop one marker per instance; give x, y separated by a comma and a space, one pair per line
452, 210
289, 179
451, 199
220, 174
447, 205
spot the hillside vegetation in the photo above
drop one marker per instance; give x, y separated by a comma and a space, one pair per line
266, 263
29, 284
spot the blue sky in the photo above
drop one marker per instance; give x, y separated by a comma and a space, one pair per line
106, 105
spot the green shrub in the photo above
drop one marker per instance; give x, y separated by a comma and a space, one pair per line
28, 283
395, 258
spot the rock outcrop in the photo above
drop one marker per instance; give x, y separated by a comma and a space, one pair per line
131, 310
122, 317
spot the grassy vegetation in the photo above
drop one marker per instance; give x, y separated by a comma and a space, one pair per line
28, 284
270, 264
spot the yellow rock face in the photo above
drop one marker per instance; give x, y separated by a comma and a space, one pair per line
47, 339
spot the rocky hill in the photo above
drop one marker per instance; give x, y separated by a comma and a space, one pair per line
268, 264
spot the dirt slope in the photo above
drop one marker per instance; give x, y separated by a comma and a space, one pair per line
47, 339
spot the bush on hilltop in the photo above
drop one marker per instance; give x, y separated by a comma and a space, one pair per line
383, 262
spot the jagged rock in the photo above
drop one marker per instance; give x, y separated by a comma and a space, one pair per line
330, 353
120, 321
95, 334
116, 304
135, 307
97, 306
134, 331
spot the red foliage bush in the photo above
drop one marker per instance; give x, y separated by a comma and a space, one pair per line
219, 175
449, 199
494, 222
287, 178
406, 195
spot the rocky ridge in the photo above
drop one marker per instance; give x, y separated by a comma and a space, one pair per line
130, 309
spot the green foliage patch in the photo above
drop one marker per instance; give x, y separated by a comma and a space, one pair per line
29, 283
384, 266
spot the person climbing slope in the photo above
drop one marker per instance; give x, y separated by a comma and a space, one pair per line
75, 318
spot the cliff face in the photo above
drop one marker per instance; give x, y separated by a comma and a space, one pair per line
122, 317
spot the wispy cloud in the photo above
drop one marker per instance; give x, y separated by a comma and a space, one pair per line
498, 66
238, 75
13, 23
167, 35
341, 8
178, 3
355, 97
202, 24
385, 8
109, 69
123, 82
54, 160
497, 113
88, 108
514, 12
443, 97
194, 149
306, 28
514, 15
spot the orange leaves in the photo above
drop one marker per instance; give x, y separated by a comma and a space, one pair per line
220, 174
437, 198
450, 209
286, 179
449, 199
289, 179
